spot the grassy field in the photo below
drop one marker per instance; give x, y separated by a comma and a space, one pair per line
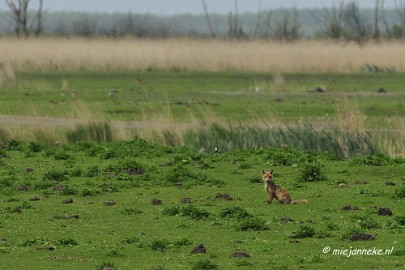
107, 154
132, 205
44, 105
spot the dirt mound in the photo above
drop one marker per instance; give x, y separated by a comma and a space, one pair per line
223, 196
186, 200
156, 202
384, 211
240, 254
67, 201
199, 249
361, 237
350, 208
109, 203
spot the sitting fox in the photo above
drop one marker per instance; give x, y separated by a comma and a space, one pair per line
277, 192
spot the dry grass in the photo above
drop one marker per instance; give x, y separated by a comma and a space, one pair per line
392, 140
196, 54
349, 116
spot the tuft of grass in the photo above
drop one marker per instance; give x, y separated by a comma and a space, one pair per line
190, 211
159, 244
70, 242
204, 264
303, 232
400, 220
236, 212
56, 175
181, 174
194, 212
399, 193
106, 265
171, 211
131, 211
253, 224
100, 132
337, 142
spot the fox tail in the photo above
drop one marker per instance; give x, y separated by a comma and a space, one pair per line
299, 201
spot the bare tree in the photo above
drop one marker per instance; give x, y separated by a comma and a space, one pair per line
85, 27
287, 25
334, 20
208, 18
39, 16
18, 11
19, 16
263, 28
356, 27
400, 5
398, 31
235, 26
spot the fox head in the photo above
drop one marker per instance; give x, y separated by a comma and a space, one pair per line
267, 176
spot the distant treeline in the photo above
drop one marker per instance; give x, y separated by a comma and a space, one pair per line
346, 21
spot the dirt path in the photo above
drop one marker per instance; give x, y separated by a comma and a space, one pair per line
15, 121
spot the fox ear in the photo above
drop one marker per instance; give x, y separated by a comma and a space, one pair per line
271, 171
263, 172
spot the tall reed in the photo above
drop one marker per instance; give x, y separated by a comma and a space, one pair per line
198, 54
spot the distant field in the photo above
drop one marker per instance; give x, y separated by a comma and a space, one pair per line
38, 105
198, 55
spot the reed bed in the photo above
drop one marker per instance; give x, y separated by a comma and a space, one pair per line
100, 54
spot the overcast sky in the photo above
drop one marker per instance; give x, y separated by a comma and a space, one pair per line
170, 7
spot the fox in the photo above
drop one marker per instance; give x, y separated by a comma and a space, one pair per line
277, 192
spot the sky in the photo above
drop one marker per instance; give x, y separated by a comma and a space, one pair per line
172, 7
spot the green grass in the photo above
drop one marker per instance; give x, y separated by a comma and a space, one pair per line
149, 93
133, 233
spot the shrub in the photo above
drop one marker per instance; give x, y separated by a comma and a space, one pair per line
55, 175
159, 244
311, 172
194, 212
67, 191
236, 212
92, 171
182, 241
253, 224
205, 265
14, 145
171, 211
303, 232
376, 160
34, 147
88, 192
76, 172
62, 155
366, 222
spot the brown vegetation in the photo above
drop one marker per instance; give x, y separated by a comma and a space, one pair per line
197, 54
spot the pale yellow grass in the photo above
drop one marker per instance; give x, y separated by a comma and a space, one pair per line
392, 140
198, 54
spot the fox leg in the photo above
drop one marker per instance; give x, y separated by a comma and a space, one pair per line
270, 199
